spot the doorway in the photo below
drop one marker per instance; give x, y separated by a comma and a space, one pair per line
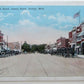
82, 48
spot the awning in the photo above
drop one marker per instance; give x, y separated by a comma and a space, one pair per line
72, 43
77, 46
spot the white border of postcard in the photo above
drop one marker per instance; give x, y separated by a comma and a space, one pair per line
36, 2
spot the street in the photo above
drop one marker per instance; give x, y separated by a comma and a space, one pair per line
40, 65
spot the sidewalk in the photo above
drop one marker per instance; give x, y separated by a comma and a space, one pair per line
81, 56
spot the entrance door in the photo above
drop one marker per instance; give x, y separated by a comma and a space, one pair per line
82, 48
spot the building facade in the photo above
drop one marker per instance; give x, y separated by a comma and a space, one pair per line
1, 40
73, 37
1, 36
14, 45
50, 47
76, 38
62, 42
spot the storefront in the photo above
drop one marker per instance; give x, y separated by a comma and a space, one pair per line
80, 43
82, 48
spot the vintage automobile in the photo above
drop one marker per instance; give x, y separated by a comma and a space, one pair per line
65, 52
5, 52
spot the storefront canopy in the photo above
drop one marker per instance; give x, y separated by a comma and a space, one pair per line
77, 47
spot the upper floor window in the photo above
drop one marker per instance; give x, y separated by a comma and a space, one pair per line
79, 38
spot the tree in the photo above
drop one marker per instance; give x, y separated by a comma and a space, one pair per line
34, 48
38, 48
41, 48
26, 47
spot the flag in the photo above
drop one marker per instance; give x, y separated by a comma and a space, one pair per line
77, 14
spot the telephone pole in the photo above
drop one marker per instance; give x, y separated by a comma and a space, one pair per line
79, 17
7, 41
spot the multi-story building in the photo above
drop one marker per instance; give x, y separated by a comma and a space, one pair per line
62, 42
80, 40
72, 37
1, 38
76, 38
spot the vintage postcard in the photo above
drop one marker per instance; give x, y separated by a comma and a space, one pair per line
41, 41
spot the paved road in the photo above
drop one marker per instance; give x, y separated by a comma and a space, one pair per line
40, 65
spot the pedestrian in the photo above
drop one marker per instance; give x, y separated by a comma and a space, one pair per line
72, 52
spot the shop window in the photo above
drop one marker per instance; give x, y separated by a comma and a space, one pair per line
78, 44
78, 38
83, 36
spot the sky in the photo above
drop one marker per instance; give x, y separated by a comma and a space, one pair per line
38, 24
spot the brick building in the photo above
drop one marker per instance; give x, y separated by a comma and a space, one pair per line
14, 45
1, 36
76, 38
62, 42
1, 39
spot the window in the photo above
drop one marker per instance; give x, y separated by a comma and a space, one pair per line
83, 36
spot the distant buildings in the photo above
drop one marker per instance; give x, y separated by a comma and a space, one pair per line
14, 45
50, 47
62, 42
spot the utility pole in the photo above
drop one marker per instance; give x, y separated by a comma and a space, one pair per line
7, 42
21, 46
79, 17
